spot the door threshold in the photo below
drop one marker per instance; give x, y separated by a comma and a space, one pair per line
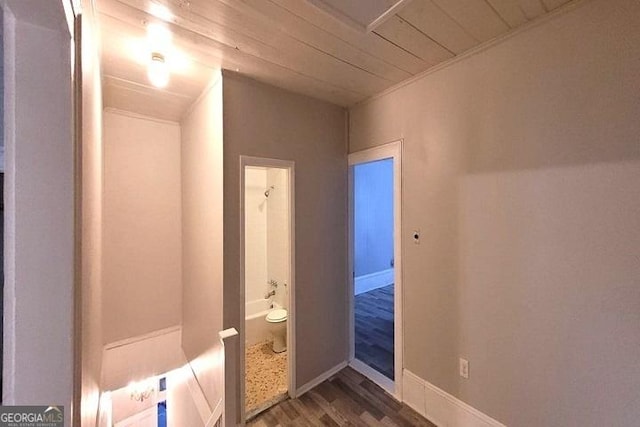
266, 405
380, 379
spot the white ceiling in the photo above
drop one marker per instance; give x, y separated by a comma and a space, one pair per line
292, 44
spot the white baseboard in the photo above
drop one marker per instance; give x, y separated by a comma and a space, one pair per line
369, 282
320, 378
441, 408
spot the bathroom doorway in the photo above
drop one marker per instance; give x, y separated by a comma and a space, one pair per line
267, 275
375, 262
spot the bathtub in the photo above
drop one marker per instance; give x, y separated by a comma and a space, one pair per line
255, 325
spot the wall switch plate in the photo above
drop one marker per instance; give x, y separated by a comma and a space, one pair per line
416, 236
464, 368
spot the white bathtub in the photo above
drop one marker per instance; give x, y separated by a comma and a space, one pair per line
255, 325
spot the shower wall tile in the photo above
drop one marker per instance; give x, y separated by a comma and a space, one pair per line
255, 234
278, 259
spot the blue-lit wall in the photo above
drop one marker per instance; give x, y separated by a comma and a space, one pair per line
373, 211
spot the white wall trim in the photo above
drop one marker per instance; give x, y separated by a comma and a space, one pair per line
229, 338
143, 337
371, 281
440, 407
133, 115
216, 414
320, 378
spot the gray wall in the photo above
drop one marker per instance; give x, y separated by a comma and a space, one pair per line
38, 302
521, 166
264, 121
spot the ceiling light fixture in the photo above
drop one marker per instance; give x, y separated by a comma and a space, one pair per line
159, 39
158, 70
142, 391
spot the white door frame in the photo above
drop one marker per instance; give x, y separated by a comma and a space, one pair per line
392, 150
291, 330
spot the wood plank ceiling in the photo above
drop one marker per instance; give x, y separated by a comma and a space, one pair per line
291, 44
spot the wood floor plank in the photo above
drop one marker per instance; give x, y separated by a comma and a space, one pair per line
329, 410
374, 329
310, 405
349, 405
328, 421
288, 409
370, 419
349, 412
350, 375
309, 414
267, 418
280, 415
388, 422
326, 391
258, 423
381, 404
381, 394
413, 417
364, 403
345, 399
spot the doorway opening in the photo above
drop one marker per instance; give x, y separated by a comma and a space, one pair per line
376, 288
267, 273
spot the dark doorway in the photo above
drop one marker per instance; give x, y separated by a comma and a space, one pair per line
374, 265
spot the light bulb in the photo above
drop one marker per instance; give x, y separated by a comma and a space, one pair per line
160, 11
158, 37
158, 71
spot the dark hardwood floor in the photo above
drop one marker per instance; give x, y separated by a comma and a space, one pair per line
346, 399
374, 329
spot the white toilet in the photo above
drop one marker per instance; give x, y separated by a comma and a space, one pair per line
277, 320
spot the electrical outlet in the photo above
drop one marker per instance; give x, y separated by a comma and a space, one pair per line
464, 368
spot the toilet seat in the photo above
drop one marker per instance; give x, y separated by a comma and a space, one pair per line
276, 316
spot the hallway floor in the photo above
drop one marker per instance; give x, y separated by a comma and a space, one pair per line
346, 399
374, 329
265, 377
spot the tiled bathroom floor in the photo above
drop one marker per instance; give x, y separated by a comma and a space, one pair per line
266, 377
